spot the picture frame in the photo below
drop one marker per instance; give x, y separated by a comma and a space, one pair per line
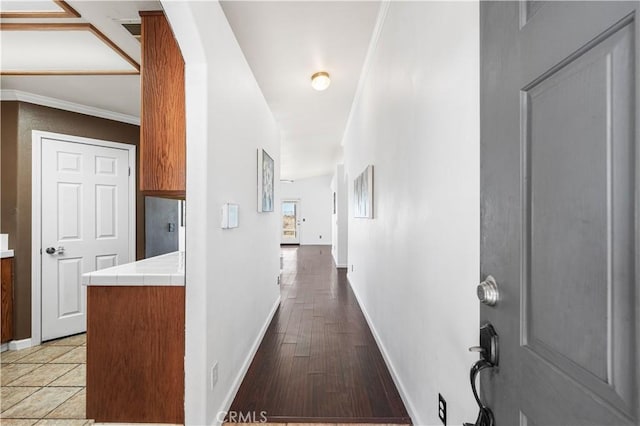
363, 194
266, 177
334, 202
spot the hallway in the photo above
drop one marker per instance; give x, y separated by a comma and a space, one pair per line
318, 361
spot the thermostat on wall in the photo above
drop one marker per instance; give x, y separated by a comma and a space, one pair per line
229, 216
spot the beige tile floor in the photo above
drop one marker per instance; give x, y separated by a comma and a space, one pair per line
44, 385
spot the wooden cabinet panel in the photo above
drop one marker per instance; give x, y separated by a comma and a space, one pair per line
6, 323
162, 128
135, 354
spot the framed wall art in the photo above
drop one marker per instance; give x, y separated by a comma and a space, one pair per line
266, 173
363, 194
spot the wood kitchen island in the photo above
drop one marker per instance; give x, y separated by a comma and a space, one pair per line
135, 341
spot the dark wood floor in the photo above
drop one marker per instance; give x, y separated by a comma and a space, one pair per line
318, 361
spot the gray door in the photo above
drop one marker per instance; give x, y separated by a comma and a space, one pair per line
559, 206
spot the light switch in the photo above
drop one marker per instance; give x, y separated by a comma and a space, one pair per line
229, 216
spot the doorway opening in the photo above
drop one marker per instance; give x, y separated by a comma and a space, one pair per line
290, 222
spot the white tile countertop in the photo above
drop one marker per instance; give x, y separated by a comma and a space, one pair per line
163, 270
4, 246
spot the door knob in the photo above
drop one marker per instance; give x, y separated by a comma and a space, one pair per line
53, 250
488, 291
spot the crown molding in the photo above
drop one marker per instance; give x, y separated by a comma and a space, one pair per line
373, 44
32, 98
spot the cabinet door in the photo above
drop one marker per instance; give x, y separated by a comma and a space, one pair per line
6, 326
162, 129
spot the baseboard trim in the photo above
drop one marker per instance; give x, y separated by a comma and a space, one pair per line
247, 362
16, 345
335, 262
396, 379
4, 347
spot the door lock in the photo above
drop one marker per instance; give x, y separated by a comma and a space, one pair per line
488, 291
53, 250
488, 350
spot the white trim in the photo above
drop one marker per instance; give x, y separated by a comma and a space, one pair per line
245, 366
371, 50
16, 345
335, 261
36, 215
413, 413
32, 98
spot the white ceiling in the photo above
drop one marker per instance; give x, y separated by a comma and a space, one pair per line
114, 93
30, 6
285, 43
54, 51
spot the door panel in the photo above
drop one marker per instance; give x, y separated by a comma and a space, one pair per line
69, 162
106, 261
69, 287
106, 213
558, 178
85, 210
69, 211
578, 201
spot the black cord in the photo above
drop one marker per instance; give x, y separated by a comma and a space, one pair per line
485, 416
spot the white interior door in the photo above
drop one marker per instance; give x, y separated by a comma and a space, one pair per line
85, 226
290, 222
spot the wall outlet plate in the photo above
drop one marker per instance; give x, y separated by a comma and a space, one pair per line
214, 374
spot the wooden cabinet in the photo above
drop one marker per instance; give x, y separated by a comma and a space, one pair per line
135, 354
6, 323
162, 121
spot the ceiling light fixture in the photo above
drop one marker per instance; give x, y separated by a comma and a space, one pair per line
320, 80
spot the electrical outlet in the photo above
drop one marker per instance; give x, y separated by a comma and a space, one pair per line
214, 375
320, 236
442, 409
351, 268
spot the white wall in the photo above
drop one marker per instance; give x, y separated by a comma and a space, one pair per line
315, 207
231, 275
416, 264
340, 218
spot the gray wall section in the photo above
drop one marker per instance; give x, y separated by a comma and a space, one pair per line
160, 212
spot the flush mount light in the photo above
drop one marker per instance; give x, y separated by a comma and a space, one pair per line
320, 80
